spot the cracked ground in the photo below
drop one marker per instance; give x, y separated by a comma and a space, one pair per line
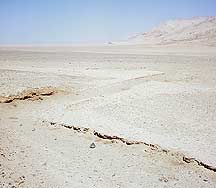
90, 119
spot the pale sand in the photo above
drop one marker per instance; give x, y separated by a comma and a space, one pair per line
162, 96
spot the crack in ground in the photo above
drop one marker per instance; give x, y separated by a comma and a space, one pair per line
33, 94
129, 142
200, 163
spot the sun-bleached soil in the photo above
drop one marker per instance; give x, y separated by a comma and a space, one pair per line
111, 116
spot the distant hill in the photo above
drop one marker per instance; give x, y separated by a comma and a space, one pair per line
195, 30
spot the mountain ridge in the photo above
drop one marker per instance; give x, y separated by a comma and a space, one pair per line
193, 30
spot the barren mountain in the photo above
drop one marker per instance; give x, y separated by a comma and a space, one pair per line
195, 30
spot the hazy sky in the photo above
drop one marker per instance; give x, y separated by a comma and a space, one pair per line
73, 21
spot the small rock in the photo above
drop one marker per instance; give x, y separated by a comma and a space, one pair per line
163, 179
92, 145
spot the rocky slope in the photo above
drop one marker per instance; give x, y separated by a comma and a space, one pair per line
198, 29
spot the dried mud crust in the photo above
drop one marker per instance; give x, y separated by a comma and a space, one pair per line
30, 94
129, 142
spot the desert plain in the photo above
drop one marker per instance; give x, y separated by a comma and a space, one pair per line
114, 115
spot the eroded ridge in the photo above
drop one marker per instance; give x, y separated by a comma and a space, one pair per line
30, 94
112, 139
